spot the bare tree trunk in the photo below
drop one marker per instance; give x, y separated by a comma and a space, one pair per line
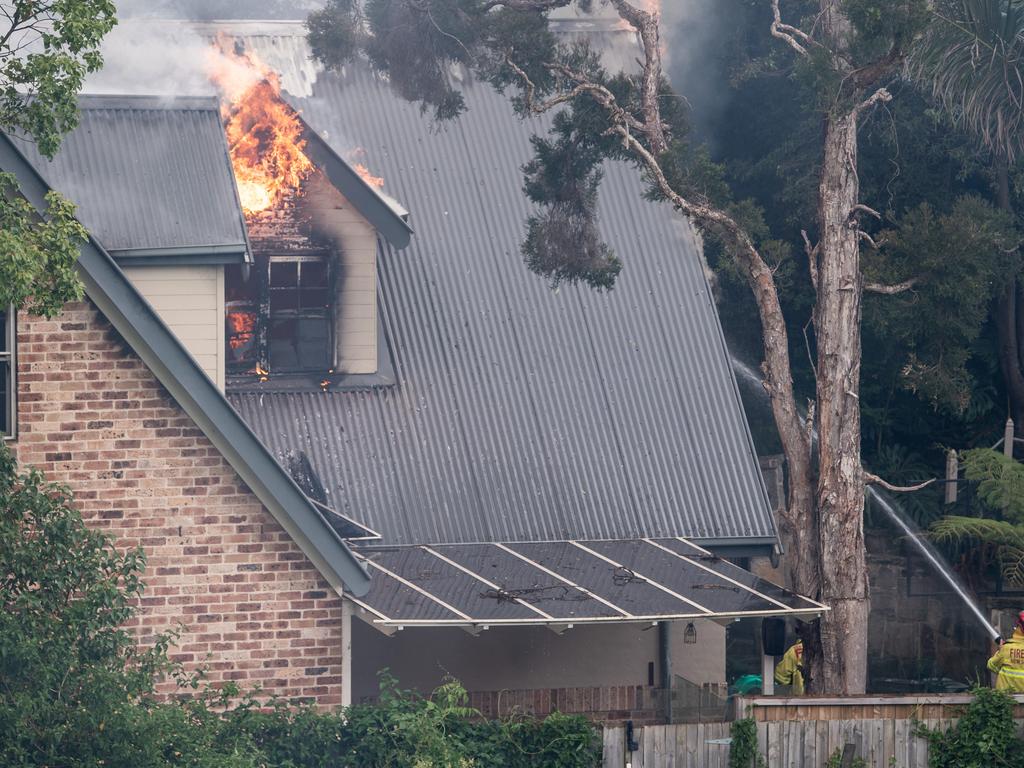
840, 496
1010, 314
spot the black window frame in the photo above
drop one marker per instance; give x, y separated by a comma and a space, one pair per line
261, 305
320, 313
9, 388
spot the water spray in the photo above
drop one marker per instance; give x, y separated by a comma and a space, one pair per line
912, 531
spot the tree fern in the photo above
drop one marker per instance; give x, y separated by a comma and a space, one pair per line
1000, 481
1005, 539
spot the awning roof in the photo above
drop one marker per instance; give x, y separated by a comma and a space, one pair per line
564, 582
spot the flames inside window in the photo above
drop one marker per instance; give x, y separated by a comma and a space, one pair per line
279, 320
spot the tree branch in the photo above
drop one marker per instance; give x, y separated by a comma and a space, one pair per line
891, 290
789, 35
875, 244
812, 258
646, 25
881, 96
872, 479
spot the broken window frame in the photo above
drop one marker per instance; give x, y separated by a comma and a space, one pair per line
8, 375
260, 303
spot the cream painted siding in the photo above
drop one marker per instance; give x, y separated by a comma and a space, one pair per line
355, 314
190, 299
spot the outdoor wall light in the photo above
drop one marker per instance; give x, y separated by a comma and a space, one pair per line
690, 634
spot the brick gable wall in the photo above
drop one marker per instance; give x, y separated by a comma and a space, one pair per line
93, 416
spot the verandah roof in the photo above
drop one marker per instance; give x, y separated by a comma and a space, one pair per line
564, 582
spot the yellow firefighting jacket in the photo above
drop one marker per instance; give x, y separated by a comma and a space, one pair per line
1008, 664
790, 670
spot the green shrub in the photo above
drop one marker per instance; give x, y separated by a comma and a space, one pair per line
985, 736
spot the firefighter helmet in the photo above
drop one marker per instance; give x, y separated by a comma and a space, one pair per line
1020, 619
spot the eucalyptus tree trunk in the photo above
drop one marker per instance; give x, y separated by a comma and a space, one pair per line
842, 666
1010, 312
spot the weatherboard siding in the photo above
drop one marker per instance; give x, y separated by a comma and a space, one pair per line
255, 609
190, 299
355, 330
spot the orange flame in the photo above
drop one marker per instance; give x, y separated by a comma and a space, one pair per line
243, 327
264, 134
364, 173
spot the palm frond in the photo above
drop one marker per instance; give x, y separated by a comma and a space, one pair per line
971, 58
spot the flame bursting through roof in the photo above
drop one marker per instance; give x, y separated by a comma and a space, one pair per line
264, 134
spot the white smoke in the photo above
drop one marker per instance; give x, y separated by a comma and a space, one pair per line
161, 57
153, 58
692, 35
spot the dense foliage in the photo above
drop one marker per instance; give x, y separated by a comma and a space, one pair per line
46, 51
930, 373
37, 256
79, 690
984, 736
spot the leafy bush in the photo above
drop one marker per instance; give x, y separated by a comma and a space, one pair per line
984, 736
743, 748
77, 689
406, 730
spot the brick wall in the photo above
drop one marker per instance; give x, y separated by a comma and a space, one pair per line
92, 415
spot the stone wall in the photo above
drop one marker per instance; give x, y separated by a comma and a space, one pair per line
919, 630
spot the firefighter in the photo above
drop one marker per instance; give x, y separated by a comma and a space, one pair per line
1008, 661
790, 671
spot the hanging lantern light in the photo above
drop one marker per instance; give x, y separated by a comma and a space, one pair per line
690, 634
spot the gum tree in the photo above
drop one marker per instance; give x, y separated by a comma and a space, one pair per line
845, 51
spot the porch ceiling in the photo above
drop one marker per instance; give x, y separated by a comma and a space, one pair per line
564, 582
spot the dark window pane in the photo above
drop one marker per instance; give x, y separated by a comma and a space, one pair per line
282, 343
3, 332
314, 274
283, 299
314, 298
313, 343
5, 394
284, 274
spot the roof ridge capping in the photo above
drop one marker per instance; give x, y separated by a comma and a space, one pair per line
161, 351
152, 101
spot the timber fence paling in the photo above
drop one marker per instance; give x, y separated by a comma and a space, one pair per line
801, 732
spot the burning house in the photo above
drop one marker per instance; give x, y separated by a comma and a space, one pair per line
349, 446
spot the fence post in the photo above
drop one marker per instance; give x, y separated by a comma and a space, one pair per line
767, 675
952, 472
1008, 439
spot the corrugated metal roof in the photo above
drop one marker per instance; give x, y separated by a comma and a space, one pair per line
149, 174
522, 414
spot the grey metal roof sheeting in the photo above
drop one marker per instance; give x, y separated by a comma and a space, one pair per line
522, 413
564, 582
149, 174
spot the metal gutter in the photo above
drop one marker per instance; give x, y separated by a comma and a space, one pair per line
187, 254
134, 318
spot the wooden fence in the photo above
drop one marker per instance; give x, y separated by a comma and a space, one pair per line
798, 733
